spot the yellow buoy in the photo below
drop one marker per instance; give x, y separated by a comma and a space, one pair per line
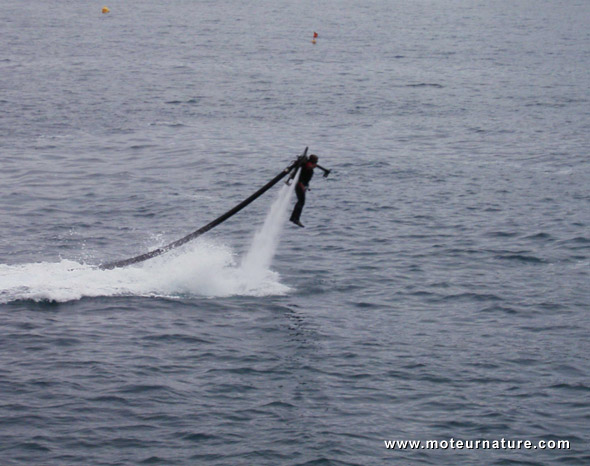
105, 9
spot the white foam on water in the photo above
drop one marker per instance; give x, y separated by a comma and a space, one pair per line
202, 268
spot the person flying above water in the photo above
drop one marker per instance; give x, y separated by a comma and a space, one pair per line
302, 186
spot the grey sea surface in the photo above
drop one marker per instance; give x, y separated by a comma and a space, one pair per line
439, 291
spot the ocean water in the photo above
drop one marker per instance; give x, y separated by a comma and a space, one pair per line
440, 289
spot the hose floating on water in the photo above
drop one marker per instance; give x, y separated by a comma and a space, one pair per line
209, 226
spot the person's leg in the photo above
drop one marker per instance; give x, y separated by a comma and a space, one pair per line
295, 216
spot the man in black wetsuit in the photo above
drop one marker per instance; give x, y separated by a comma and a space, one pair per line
302, 185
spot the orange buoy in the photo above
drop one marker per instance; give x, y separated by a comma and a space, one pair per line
105, 9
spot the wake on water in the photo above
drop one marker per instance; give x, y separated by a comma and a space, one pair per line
201, 268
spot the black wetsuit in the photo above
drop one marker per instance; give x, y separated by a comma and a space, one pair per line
302, 184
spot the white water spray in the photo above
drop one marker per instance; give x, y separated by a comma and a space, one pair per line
203, 268
256, 263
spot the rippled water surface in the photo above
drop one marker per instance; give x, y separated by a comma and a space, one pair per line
439, 290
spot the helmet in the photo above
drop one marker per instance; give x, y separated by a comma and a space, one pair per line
313, 158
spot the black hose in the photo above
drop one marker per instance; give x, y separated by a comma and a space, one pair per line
206, 228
